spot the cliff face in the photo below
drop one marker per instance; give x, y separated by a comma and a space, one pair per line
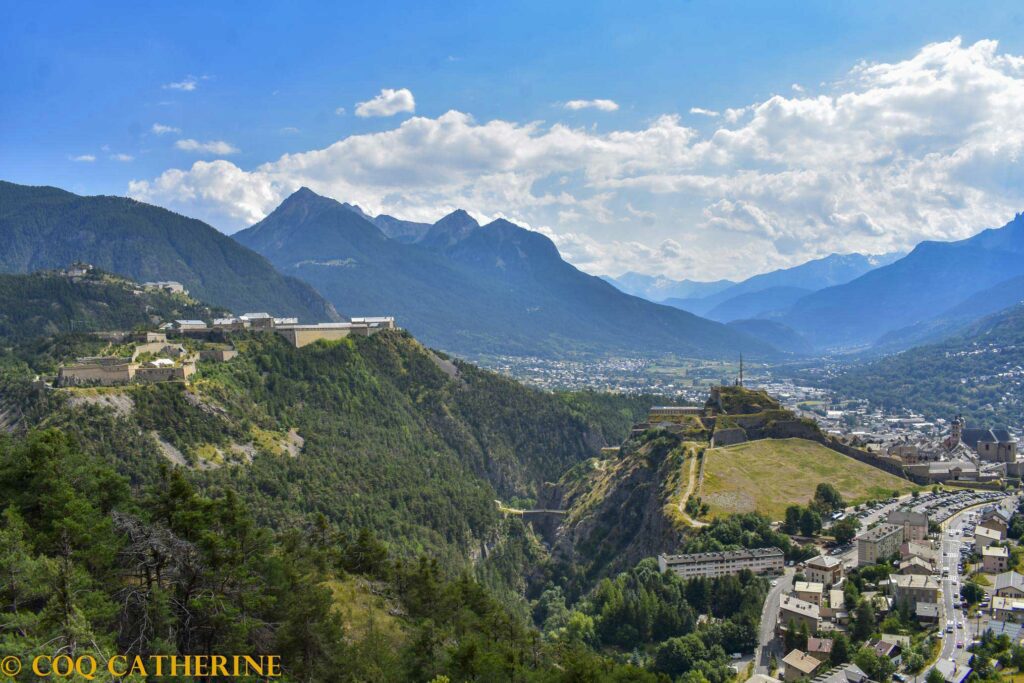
622, 509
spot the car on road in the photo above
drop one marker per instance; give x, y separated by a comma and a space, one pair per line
775, 583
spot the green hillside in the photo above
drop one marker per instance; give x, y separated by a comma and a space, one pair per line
45, 227
769, 475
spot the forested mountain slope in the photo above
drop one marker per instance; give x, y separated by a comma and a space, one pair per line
977, 373
393, 437
45, 227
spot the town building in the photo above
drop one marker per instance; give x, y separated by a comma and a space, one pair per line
879, 543
794, 612
847, 673
809, 591
912, 589
995, 518
923, 550
915, 524
984, 537
724, 562
952, 671
1008, 585
819, 648
995, 559
799, 664
824, 569
915, 565
1008, 609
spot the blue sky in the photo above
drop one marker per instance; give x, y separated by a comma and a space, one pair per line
237, 86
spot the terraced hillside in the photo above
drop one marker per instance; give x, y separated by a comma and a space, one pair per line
768, 475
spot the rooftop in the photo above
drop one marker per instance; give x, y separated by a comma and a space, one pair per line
809, 587
914, 581
801, 661
995, 551
879, 532
798, 606
1009, 580
723, 555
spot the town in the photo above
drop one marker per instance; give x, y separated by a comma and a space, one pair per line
936, 565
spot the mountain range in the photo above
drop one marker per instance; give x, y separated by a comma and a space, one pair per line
46, 227
725, 301
471, 289
926, 284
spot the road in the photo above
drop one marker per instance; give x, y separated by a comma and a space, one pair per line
952, 539
766, 641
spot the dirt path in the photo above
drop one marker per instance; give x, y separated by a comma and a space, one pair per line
691, 484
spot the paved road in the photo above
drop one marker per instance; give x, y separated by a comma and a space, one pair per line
766, 642
952, 539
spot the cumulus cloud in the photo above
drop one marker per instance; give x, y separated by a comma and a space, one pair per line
122, 157
704, 112
209, 147
925, 148
161, 129
388, 103
86, 158
601, 105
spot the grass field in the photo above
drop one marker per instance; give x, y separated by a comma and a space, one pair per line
768, 475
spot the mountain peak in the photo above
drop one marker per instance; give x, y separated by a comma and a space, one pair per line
450, 230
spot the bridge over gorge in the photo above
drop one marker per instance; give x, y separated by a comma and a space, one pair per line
544, 520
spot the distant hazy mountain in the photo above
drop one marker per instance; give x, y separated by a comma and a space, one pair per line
658, 288
46, 227
976, 373
933, 278
498, 289
954, 320
753, 304
775, 333
811, 276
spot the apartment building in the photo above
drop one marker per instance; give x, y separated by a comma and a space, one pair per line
724, 563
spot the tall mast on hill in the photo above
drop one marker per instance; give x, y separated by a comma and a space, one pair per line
739, 380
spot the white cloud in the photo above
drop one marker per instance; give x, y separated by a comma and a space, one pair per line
340, 111
602, 105
289, 130
187, 84
388, 103
122, 157
209, 147
925, 148
87, 158
161, 129
798, 88
704, 112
